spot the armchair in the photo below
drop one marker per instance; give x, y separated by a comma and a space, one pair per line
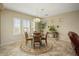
75, 41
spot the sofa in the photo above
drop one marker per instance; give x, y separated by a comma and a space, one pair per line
74, 37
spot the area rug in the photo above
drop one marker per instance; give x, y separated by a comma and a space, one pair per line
27, 48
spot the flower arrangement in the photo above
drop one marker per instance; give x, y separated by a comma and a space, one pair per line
52, 28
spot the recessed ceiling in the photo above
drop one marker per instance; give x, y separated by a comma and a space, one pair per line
42, 9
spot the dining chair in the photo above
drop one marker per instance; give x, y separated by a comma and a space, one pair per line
45, 38
37, 39
27, 38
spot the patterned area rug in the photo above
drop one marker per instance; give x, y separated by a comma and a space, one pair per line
59, 48
36, 51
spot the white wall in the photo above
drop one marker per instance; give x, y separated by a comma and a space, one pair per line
67, 22
7, 36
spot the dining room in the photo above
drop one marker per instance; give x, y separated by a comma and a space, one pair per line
26, 29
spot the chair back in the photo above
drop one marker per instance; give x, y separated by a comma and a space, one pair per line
74, 38
37, 36
26, 35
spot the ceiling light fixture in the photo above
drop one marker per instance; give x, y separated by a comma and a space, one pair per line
37, 20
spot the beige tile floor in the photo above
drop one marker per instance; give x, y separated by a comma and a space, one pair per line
60, 48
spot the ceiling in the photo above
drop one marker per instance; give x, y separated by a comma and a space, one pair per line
42, 10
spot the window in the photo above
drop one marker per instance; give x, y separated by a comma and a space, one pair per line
16, 26
26, 25
32, 26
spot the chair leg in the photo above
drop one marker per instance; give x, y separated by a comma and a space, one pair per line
40, 43
33, 45
46, 42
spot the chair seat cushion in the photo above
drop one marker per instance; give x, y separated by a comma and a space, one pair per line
29, 38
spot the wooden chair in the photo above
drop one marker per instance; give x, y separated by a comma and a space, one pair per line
37, 39
45, 38
27, 38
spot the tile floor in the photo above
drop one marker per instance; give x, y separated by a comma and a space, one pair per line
60, 48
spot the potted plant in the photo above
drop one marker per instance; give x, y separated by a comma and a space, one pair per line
53, 30
41, 26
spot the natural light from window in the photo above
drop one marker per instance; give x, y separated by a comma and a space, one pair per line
16, 26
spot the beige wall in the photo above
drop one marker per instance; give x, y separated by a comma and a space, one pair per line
0, 27
67, 22
7, 26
